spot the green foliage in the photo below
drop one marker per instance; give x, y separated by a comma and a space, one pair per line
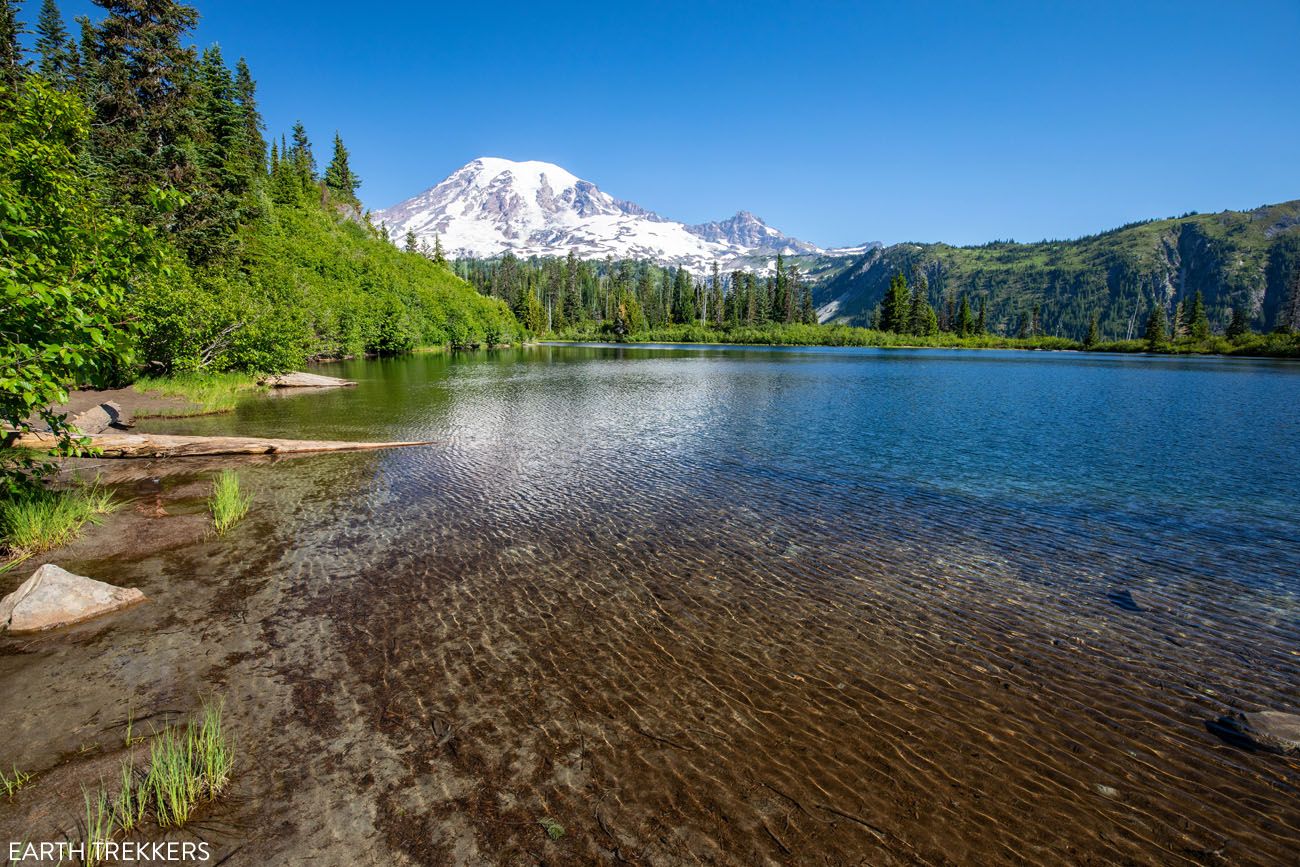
798, 334
65, 264
228, 504
339, 178
35, 519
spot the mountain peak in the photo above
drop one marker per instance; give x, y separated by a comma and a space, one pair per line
492, 205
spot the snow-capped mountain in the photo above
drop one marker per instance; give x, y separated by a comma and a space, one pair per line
491, 205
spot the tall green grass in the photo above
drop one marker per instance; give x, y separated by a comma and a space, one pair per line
206, 392
228, 503
36, 520
187, 765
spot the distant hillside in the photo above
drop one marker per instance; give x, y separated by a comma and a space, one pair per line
1233, 257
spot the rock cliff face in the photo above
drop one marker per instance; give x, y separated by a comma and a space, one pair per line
1233, 257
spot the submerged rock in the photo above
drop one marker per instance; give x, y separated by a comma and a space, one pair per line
55, 597
1270, 730
1126, 599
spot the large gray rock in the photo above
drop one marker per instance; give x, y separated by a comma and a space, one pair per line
100, 418
55, 597
1271, 730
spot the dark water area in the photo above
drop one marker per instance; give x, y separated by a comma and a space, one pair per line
730, 606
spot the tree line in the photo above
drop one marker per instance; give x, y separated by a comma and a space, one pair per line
147, 226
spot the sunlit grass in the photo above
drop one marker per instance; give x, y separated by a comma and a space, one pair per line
37, 520
187, 765
228, 503
207, 392
12, 783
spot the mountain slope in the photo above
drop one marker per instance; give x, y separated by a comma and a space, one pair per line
1233, 257
490, 206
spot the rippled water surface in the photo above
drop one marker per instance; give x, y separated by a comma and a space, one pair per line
730, 606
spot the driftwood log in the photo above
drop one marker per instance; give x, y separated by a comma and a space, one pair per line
112, 445
305, 380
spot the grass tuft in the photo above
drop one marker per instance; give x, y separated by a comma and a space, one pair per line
554, 830
99, 826
207, 392
186, 766
228, 504
37, 520
14, 783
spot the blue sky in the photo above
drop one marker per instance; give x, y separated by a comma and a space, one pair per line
836, 122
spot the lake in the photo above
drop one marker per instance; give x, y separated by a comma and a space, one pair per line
726, 605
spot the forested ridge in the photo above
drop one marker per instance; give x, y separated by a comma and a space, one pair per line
147, 226
1243, 261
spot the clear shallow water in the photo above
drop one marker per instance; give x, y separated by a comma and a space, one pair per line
740, 605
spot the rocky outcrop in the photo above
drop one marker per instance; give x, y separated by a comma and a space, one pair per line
55, 597
166, 446
305, 380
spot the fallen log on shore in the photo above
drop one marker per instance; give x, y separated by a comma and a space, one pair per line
172, 446
305, 380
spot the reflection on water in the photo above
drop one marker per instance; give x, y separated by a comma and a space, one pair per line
737, 606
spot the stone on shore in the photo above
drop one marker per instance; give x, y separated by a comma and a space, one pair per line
1270, 730
305, 380
100, 418
55, 597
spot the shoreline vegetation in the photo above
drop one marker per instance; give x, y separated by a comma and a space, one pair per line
800, 334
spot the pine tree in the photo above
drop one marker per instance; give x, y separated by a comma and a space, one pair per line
896, 306
1239, 327
1155, 333
58, 53
303, 159
1094, 334
254, 144
411, 245
1198, 324
12, 65
717, 302
981, 321
683, 312
920, 313
339, 178
965, 319
438, 257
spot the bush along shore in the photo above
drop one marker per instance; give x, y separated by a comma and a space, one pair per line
799, 334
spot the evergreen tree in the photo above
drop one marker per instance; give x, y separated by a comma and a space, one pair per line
438, 256
411, 245
254, 144
1198, 324
12, 65
965, 319
1155, 333
339, 178
303, 159
780, 292
896, 306
1239, 327
981, 321
920, 313
58, 63
716, 303
1094, 335
683, 298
